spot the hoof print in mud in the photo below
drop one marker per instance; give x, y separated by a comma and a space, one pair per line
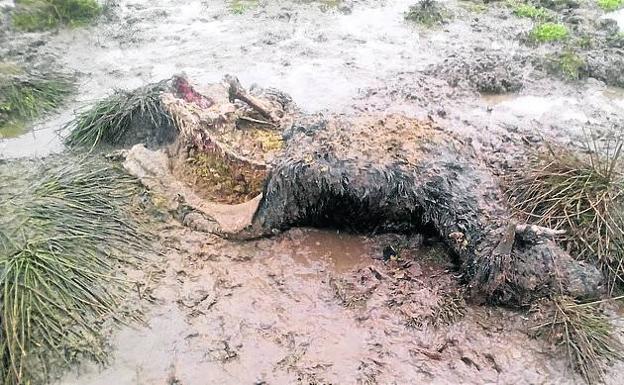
247, 164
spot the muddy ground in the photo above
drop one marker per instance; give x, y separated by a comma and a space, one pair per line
317, 306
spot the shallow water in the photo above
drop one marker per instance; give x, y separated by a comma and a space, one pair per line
618, 16
536, 106
340, 252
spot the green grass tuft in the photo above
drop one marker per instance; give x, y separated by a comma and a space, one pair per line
610, 5
547, 32
583, 195
427, 13
586, 334
63, 233
239, 7
25, 97
109, 120
12, 129
39, 15
531, 12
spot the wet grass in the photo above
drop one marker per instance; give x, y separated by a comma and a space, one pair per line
428, 13
109, 119
12, 129
238, 7
39, 15
64, 231
530, 11
571, 65
583, 195
616, 40
610, 5
549, 32
27, 96
585, 333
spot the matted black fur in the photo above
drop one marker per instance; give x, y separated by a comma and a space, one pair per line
397, 174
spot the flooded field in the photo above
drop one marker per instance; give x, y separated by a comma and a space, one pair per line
327, 306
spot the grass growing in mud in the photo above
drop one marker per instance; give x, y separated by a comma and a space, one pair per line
109, 119
549, 32
238, 7
26, 96
530, 11
568, 64
583, 195
38, 15
586, 334
610, 5
63, 232
427, 13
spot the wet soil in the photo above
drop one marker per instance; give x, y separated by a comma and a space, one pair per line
316, 306
322, 57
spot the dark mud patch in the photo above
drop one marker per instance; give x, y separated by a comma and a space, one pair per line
488, 72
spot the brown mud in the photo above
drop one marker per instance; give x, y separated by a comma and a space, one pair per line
317, 307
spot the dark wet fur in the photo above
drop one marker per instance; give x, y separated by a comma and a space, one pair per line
435, 185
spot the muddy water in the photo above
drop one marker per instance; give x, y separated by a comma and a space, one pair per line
618, 16
268, 312
536, 106
566, 118
340, 252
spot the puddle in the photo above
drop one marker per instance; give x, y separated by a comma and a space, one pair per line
618, 16
615, 95
43, 140
334, 251
536, 106
494, 99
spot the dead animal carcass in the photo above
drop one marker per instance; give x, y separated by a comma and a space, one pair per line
277, 168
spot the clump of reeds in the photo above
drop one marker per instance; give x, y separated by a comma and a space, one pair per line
109, 120
583, 195
38, 15
62, 239
26, 96
586, 334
